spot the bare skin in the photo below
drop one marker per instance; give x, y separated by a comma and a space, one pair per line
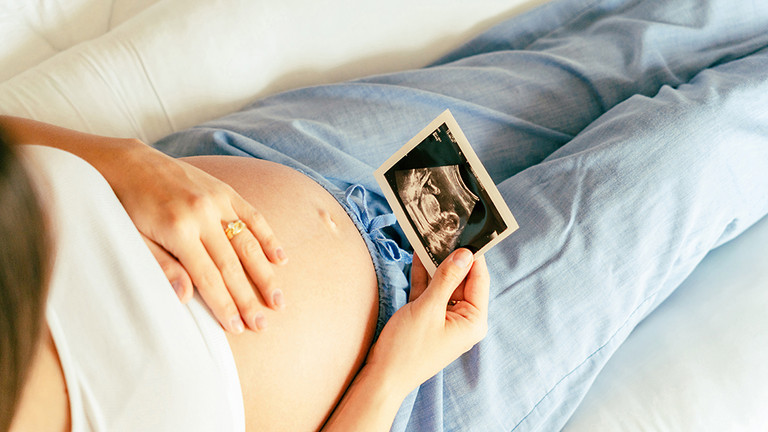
44, 404
294, 372
314, 359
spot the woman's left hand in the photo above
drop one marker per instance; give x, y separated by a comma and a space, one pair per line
444, 318
182, 212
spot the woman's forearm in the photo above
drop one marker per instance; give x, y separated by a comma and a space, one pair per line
420, 339
369, 404
106, 154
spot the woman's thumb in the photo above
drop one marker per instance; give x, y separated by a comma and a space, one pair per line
449, 275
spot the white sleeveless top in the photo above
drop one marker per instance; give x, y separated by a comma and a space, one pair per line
134, 358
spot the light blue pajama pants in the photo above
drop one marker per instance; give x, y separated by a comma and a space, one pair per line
628, 138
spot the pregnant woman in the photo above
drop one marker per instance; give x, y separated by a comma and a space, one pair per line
119, 353
627, 137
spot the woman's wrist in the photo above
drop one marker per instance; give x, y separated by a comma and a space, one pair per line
370, 403
125, 161
387, 380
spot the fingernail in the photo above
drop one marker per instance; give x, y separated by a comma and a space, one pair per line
177, 287
281, 256
236, 325
259, 321
277, 298
462, 258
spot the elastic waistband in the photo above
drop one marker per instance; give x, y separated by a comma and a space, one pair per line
356, 198
391, 262
372, 218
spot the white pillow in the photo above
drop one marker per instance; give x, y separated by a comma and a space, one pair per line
181, 62
32, 31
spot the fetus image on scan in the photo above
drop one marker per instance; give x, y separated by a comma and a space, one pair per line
439, 204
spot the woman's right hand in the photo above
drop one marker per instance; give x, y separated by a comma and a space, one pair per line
444, 318
182, 213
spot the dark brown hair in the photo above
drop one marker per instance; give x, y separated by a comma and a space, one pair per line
24, 250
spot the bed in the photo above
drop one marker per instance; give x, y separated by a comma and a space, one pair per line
146, 68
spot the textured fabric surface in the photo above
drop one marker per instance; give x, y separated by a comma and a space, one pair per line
134, 358
148, 76
624, 157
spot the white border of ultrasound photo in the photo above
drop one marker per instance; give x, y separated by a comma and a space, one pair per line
490, 194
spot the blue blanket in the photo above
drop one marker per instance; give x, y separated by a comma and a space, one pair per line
628, 137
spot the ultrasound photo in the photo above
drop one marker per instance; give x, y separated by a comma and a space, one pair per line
439, 203
442, 196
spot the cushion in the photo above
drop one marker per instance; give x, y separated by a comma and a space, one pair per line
181, 62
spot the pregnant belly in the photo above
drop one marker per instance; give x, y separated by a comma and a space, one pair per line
293, 373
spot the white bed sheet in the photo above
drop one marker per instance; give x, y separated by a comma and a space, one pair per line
698, 363
144, 68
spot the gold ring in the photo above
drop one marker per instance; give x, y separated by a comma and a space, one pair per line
233, 228
453, 302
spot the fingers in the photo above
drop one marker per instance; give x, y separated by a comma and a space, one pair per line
475, 304
227, 257
449, 275
260, 229
468, 316
210, 284
218, 266
174, 271
419, 278
257, 249
258, 267
476, 287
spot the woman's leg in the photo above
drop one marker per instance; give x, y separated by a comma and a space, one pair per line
610, 224
520, 91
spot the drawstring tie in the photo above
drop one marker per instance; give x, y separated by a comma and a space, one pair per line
356, 197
